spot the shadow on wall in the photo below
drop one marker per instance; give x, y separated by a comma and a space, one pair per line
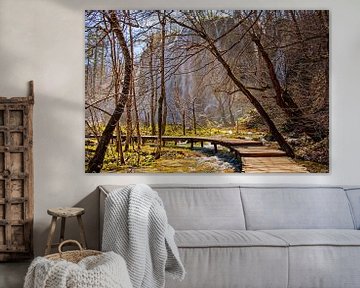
72, 231
8, 69
58, 165
91, 218
115, 4
15, 64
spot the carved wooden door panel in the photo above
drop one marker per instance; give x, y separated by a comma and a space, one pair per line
16, 178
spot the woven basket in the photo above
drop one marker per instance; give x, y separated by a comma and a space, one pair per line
72, 256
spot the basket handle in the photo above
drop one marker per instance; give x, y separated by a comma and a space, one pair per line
69, 241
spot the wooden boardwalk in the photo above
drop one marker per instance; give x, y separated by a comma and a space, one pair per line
259, 151
271, 165
253, 155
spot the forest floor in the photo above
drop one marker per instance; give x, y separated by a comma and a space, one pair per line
181, 158
174, 159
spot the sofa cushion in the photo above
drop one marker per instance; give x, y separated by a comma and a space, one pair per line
296, 208
223, 267
226, 238
324, 266
322, 258
199, 207
204, 208
317, 237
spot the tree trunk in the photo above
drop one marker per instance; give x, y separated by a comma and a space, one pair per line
164, 120
184, 123
286, 102
162, 95
155, 99
116, 69
94, 71
289, 106
232, 117
194, 116
119, 147
147, 121
87, 75
102, 65
136, 112
96, 163
222, 110
128, 107
274, 131
152, 87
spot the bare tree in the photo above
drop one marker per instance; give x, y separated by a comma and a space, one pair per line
162, 21
152, 85
285, 101
95, 164
116, 70
193, 23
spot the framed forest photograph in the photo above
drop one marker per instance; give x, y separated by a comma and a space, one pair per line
206, 91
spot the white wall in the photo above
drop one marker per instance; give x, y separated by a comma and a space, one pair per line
43, 40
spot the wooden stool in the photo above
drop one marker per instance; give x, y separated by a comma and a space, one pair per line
64, 213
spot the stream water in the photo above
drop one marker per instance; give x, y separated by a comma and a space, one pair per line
185, 160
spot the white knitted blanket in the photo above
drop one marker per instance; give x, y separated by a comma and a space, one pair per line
103, 271
136, 227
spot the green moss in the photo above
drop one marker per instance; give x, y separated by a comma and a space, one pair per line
174, 159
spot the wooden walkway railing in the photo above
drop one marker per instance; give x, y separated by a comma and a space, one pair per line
254, 156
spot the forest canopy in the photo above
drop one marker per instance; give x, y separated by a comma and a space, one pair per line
254, 75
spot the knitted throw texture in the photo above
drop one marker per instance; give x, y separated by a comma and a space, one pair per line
136, 227
102, 271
